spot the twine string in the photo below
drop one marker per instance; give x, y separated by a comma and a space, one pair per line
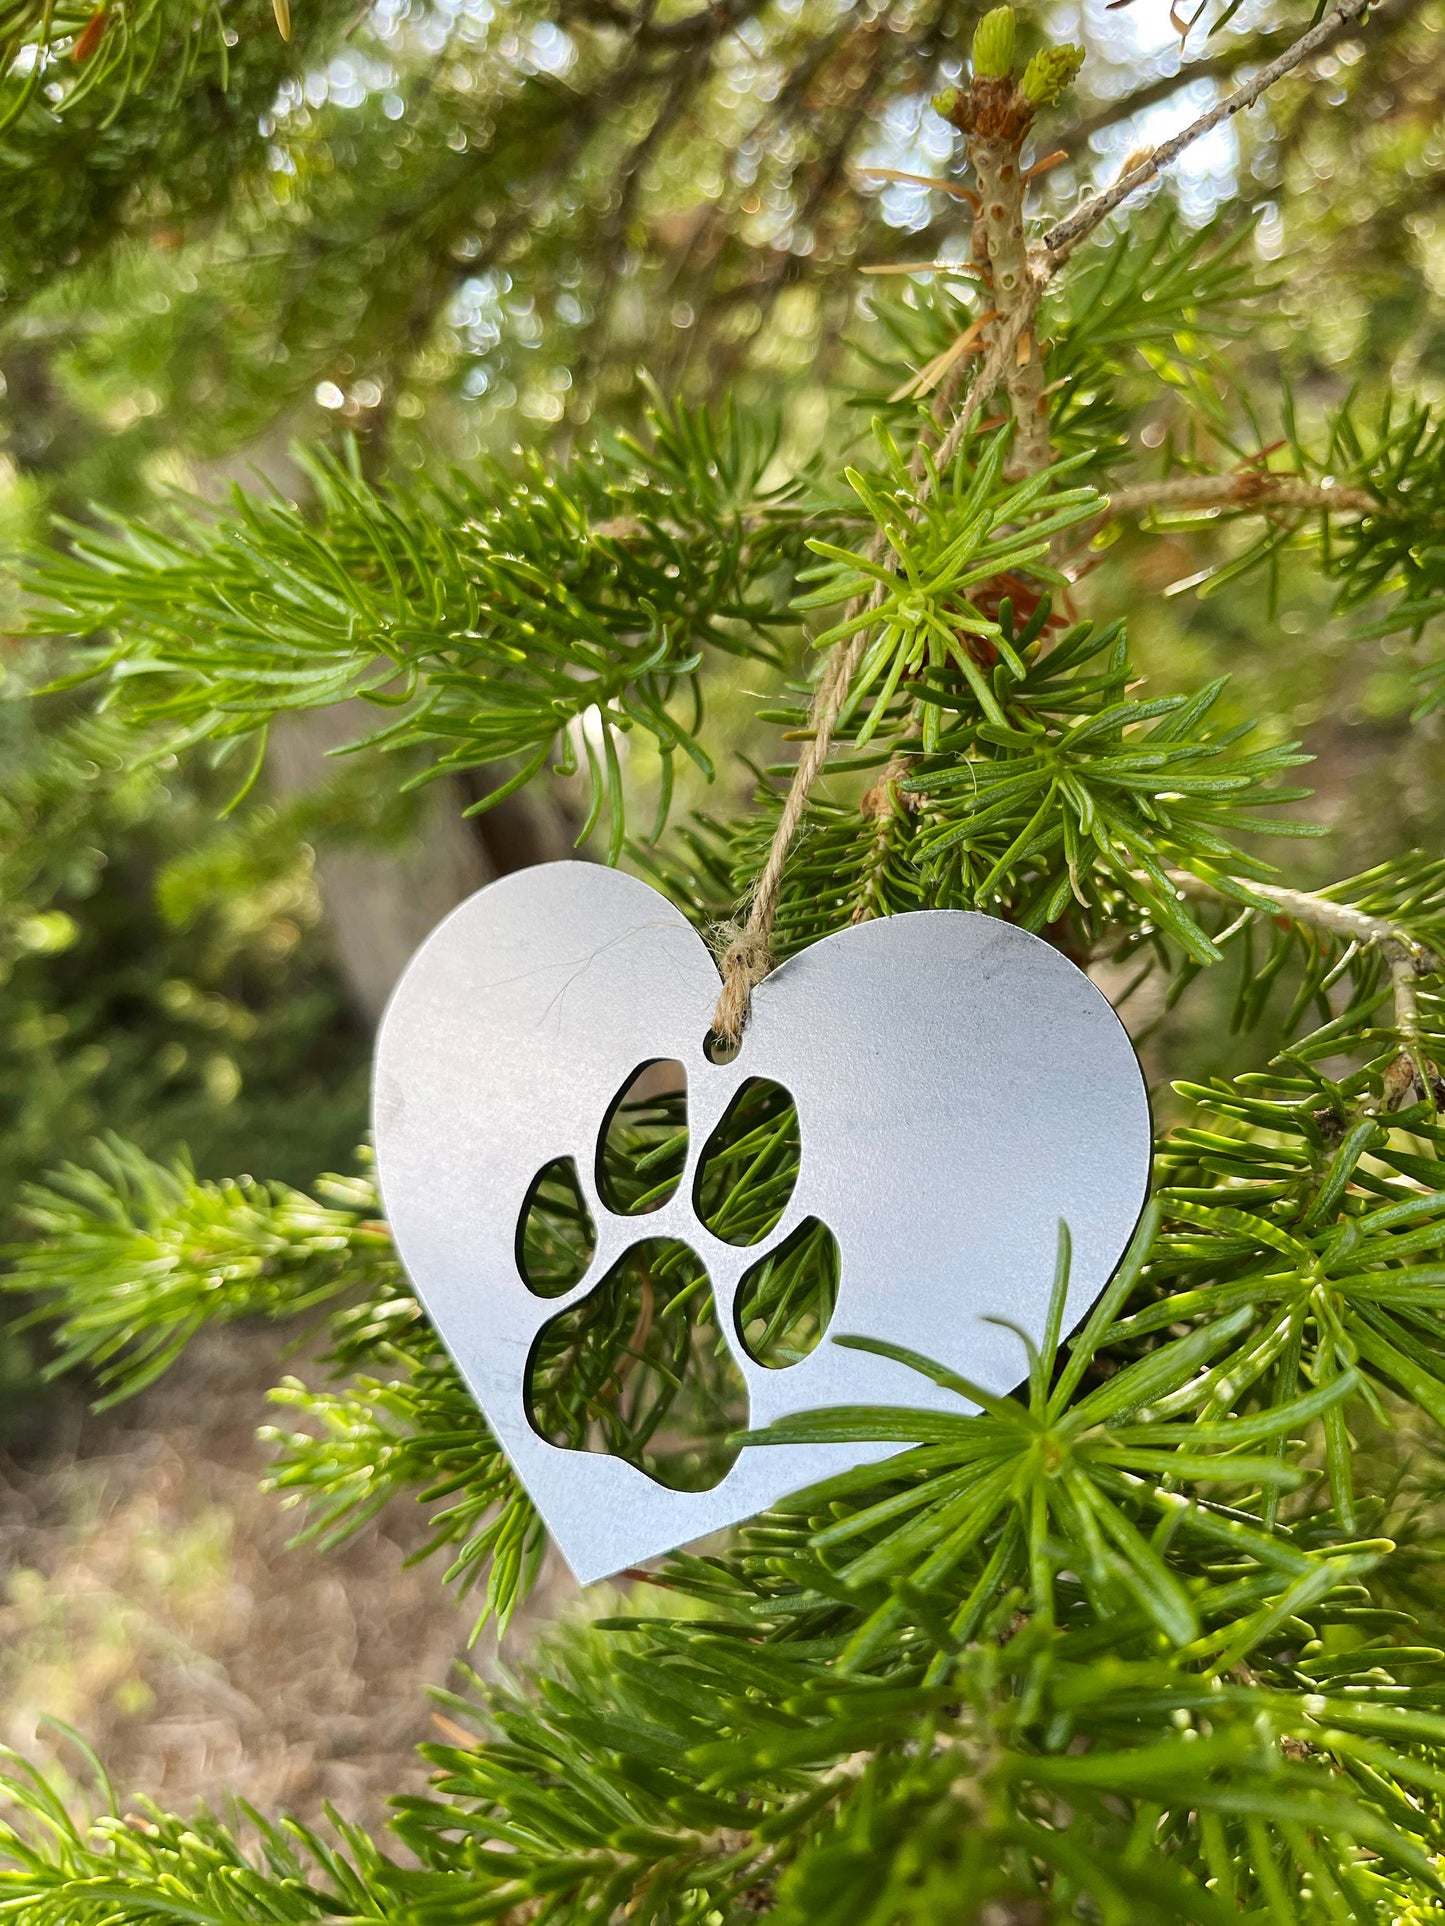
747, 955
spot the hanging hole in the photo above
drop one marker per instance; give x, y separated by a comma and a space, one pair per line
720, 1049
785, 1302
639, 1370
556, 1238
749, 1165
643, 1147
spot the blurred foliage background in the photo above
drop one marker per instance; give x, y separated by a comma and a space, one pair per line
427, 233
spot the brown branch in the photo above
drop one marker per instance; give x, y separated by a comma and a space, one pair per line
1245, 489
887, 805
1065, 235
996, 119
1405, 956
1249, 488
746, 952
1061, 239
1319, 912
998, 169
1220, 66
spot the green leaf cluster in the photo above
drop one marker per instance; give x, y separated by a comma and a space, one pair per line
502, 622
1067, 1659
133, 1258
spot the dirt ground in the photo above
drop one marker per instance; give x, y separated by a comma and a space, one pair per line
150, 1602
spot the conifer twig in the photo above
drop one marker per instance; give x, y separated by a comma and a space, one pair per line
1222, 65
1303, 906
1015, 359
746, 956
1406, 958
1060, 240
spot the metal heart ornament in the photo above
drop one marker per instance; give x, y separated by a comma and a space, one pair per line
960, 1088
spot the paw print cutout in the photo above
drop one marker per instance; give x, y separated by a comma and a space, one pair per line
633, 1252
648, 1361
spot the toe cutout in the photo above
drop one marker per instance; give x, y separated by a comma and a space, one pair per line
638, 1369
785, 1302
749, 1166
643, 1147
556, 1238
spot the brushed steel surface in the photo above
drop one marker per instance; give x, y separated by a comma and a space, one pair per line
960, 1086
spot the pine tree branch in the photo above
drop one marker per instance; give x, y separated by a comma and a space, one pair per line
995, 151
137, 1256
1011, 354
1017, 288
1059, 242
747, 954
480, 621
890, 809
906, 511
1301, 906
1064, 236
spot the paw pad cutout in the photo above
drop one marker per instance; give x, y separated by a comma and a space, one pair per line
785, 1301
648, 1363
642, 1152
556, 1238
746, 1175
638, 1369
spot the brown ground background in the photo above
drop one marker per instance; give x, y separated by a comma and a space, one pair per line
150, 1601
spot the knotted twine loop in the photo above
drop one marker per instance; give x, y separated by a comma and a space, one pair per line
744, 961
747, 952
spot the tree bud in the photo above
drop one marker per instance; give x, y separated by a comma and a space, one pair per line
1050, 74
993, 45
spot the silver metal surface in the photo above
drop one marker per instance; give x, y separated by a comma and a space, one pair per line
960, 1086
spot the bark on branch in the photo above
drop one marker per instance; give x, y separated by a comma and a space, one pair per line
1065, 235
1406, 958
1248, 489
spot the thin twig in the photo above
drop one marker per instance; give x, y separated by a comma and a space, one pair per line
1002, 184
1061, 239
1065, 235
886, 804
1320, 912
1405, 956
1248, 489
1222, 66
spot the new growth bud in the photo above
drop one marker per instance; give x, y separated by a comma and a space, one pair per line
993, 45
947, 105
993, 105
1050, 74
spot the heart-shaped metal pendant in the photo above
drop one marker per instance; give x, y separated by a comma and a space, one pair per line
960, 1088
